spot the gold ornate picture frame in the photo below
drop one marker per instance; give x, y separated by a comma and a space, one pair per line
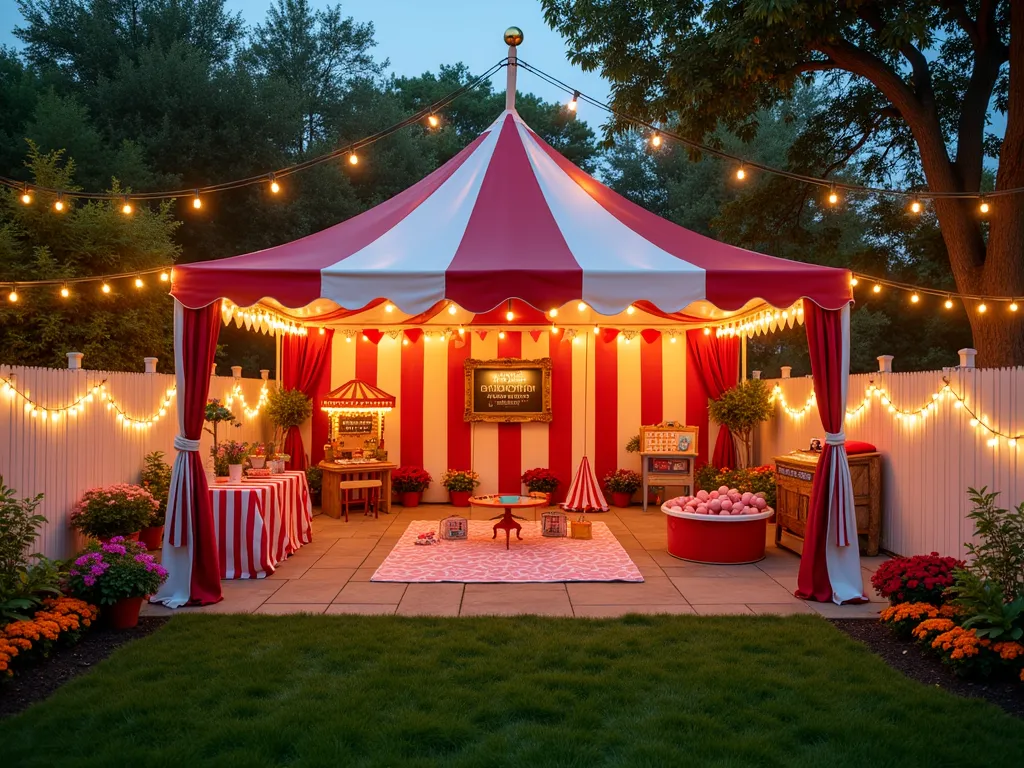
495, 393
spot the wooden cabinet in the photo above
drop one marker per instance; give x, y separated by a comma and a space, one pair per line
794, 474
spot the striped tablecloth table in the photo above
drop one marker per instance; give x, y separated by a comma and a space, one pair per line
260, 522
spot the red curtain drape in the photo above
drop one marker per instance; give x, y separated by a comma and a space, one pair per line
190, 523
305, 360
714, 362
830, 562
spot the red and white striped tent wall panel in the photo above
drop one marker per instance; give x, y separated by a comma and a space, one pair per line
626, 385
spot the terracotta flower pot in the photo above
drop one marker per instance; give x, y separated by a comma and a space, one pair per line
129, 536
621, 498
410, 498
152, 537
459, 498
124, 614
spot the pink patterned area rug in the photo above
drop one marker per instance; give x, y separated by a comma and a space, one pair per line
483, 559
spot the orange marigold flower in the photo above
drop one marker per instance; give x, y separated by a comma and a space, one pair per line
950, 611
922, 630
1008, 651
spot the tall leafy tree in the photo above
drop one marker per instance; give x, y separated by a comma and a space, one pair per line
913, 87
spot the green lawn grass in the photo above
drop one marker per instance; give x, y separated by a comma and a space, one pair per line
388, 691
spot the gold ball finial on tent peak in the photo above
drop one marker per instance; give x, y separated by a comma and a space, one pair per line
513, 36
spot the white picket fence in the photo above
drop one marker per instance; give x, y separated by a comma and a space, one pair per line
62, 458
928, 461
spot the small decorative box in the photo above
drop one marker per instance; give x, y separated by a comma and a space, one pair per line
553, 524
505, 499
582, 529
262, 472
454, 528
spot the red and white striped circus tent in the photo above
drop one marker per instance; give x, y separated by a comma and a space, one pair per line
508, 224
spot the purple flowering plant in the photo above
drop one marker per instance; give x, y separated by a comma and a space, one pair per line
102, 574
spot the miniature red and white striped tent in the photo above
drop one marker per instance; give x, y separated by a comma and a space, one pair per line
585, 492
356, 395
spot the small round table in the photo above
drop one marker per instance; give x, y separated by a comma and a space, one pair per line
508, 520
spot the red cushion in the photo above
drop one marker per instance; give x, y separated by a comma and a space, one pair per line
858, 446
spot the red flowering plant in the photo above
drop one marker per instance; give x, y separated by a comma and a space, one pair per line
623, 481
410, 480
540, 480
917, 579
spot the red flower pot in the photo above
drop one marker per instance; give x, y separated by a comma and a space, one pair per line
621, 498
410, 498
124, 614
459, 498
152, 537
129, 536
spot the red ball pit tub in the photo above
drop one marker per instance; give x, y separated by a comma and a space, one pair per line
717, 539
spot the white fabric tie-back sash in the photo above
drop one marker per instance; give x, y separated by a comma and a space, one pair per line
835, 438
179, 500
182, 443
840, 503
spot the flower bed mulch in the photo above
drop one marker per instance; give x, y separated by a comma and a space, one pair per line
34, 683
908, 658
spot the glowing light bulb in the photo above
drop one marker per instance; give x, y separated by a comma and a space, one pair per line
501, 334
58, 205
12, 296
462, 331
126, 207
582, 306
914, 298
672, 339
274, 186
509, 315
353, 159
26, 197
138, 282
741, 174
348, 339
707, 331
630, 309
877, 288
656, 140
984, 206
433, 122
405, 342
322, 331
451, 309
389, 307
553, 313
1013, 306
365, 337
833, 198
105, 288
64, 292
982, 307
915, 206
196, 202
854, 281
973, 422
949, 304
164, 277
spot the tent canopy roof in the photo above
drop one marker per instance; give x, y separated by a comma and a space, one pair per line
508, 218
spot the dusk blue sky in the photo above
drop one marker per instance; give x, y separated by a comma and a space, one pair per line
417, 36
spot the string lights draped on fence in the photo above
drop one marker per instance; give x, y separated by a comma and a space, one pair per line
98, 392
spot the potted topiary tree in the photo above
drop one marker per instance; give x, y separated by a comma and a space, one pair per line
460, 484
740, 410
408, 483
156, 478
288, 409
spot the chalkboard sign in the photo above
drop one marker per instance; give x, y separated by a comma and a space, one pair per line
508, 390
356, 424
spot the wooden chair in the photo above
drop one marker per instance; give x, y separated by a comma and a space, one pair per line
372, 490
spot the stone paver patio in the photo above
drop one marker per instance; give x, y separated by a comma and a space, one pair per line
332, 576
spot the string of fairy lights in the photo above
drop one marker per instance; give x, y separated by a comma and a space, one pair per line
909, 416
430, 116
95, 393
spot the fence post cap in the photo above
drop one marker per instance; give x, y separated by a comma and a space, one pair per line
236, 371
75, 360
885, 363
786, 371
264, 373
967, 357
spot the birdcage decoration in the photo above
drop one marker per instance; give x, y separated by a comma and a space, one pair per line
554, 524
454, 528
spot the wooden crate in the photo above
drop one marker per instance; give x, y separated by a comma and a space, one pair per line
794, 474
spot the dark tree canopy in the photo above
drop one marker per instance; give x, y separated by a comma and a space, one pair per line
912, 91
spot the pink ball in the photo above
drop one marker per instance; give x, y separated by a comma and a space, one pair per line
702, 509
726, 505
746, 497
676, 508
760, 503
702, 495
734, 498
715, 505
736, 511
713, 495
723, 489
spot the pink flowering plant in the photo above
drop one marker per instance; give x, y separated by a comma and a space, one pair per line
102, 574
116, 510
233, 451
